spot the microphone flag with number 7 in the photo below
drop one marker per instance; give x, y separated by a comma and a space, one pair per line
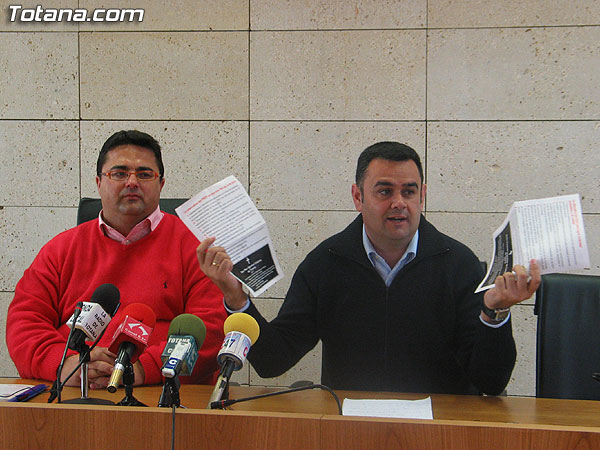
241, 331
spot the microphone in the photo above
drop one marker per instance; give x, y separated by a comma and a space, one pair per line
241, 331
130, 339
94, 317
186, 336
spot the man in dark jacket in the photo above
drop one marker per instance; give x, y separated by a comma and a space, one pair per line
391, 298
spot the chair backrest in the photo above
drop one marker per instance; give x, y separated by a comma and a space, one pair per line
568, 336
89, 208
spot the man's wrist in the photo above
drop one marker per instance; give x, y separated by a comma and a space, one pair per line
494, 316
244, 306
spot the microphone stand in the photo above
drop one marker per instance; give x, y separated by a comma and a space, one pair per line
221, 390
128, 379
170, 393
84, 359
56, 389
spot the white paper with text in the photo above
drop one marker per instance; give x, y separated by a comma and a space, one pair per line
225, 211
549, 230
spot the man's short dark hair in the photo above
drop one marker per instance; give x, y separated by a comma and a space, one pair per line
389, 151
131, 137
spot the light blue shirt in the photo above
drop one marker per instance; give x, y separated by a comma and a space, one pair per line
381, 266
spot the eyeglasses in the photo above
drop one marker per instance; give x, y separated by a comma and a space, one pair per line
123, 175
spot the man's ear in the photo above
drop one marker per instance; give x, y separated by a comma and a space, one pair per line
357, 197
98, 179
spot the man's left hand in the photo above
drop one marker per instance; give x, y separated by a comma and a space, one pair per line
513, 287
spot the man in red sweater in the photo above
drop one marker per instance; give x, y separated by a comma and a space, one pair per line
150, 257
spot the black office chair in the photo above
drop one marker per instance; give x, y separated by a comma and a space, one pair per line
89, 208
568, 336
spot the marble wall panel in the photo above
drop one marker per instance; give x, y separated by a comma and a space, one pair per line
175, 15
39, 76
164, 75
337, 14
486, 166
23, 232
40, 163
312, 165
473, 230
511, 13
513, 74
337, 75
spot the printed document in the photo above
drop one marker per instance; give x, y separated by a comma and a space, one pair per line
549, 230
225, 211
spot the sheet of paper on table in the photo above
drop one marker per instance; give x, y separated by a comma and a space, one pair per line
400, 409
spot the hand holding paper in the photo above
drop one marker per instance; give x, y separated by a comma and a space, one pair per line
225, 210
549, 230
217, 265
513, 287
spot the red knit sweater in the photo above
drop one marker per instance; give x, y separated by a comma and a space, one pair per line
160, 270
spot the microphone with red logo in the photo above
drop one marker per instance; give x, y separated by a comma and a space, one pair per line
130, 340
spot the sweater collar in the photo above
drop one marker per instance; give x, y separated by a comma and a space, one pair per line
348, 243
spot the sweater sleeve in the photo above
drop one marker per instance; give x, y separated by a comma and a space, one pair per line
293, 333
487, 354
34, 337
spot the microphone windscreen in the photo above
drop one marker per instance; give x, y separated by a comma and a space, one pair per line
243, 323
188, 324
107, 295
141, 312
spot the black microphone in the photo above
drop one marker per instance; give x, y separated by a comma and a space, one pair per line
94, 317
241, 331
91, 324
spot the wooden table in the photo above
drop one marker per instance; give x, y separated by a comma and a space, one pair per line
301, 420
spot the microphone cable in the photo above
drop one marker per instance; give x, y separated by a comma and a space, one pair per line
222, 404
